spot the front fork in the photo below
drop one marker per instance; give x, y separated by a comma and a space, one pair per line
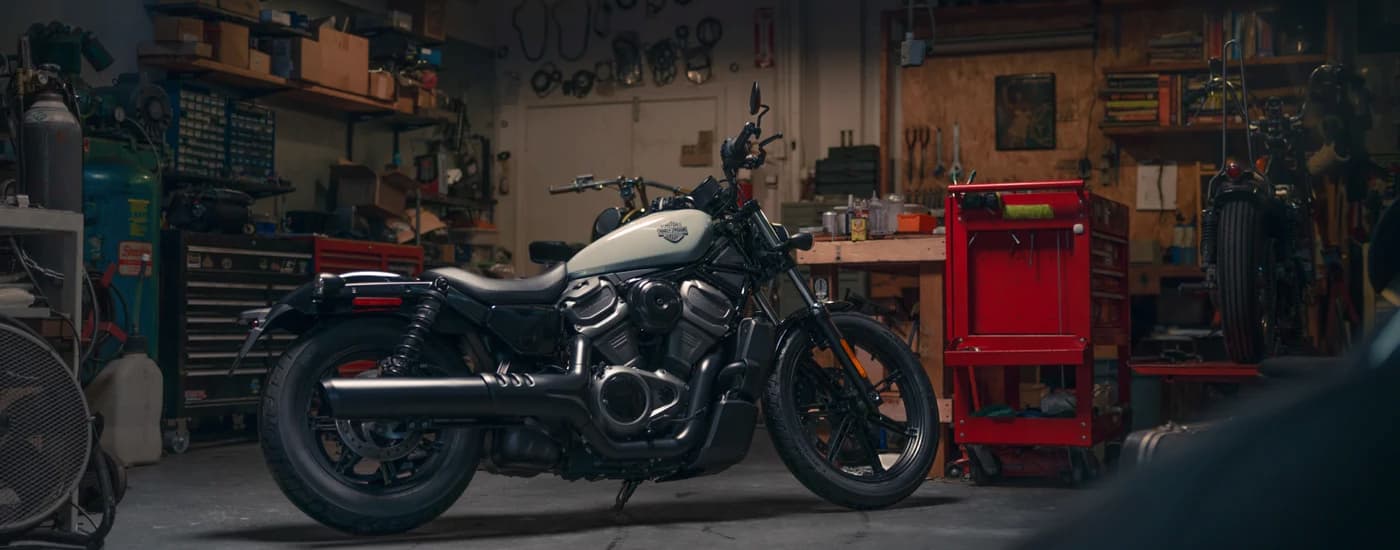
827, 335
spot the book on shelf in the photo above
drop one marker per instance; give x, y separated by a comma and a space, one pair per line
1131, 76
1144, 116
1174, 39
1144, 111
1164, 89
1138, 104
1126, 124
1212, 119
1264, 33
1119, 95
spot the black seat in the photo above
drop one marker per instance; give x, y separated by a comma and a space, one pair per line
544, 288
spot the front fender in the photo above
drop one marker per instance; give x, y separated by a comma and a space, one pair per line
788, 330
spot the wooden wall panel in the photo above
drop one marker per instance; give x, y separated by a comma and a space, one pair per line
961, 89
948, 90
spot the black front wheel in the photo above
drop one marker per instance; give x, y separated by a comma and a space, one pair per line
839, 445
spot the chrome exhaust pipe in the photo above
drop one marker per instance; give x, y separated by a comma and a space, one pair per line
508, 395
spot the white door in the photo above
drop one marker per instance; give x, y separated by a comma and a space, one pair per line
663, 127
607, 140
561, 143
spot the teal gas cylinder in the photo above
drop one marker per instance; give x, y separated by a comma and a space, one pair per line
121, 216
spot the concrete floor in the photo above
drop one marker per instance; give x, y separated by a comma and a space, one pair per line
223, 498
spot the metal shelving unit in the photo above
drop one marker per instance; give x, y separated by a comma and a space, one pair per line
61, 236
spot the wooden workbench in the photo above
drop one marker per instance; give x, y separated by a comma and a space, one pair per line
921, 255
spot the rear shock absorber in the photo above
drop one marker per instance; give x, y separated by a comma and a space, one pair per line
406, 355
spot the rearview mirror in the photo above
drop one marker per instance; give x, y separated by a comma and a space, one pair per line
755, 99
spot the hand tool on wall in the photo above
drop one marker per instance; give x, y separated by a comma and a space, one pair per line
922, 134
939, 169
956, 170
909, 139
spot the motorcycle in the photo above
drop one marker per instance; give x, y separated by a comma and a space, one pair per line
1256, 237
644, 356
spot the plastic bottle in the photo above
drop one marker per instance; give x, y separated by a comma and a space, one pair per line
127, 393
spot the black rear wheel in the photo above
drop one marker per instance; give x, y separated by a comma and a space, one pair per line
371, 477
1246, 285
840, 448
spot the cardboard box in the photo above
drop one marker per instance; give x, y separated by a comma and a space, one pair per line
429, 16
306, 60
405, 103
246, 8
426, 99
174, 49
381, 85
259, 62
177, 29
344, 61
230, 42
357, 185
431, 222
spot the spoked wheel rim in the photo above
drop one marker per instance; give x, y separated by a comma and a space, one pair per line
861, 442
376, 456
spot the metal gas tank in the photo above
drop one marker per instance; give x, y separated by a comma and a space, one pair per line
662, 239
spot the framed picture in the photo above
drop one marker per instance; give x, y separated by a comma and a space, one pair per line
1025, 112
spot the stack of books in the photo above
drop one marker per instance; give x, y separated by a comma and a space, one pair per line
1175, 47
1255, 31
1131, 99
1199, 107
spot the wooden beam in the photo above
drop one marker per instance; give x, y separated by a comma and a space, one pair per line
930, 352
911, 250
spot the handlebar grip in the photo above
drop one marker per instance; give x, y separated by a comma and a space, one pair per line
567, 188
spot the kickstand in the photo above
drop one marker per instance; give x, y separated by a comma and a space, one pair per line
625, 493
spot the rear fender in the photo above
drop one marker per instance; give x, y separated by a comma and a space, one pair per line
357, 293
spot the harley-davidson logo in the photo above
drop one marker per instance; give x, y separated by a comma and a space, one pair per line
672, 231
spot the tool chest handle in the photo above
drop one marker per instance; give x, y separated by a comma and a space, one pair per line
1016, 186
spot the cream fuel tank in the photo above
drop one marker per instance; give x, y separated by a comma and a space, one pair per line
657, 240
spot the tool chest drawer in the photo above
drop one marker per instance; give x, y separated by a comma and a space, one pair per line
208, 280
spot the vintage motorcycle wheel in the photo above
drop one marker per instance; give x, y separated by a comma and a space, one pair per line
849, 456
1246, 282
366, 478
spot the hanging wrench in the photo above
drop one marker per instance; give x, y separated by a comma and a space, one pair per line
956, 169
939, 170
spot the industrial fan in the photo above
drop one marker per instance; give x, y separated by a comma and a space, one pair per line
46, 446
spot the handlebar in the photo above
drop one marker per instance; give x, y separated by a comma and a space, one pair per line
583, 183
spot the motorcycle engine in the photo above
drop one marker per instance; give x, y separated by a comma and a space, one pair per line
646, 336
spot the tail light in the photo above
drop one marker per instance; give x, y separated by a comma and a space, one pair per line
1233, 170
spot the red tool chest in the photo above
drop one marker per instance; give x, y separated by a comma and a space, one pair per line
1036, 276
343, 256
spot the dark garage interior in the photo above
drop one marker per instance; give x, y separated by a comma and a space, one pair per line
632, 273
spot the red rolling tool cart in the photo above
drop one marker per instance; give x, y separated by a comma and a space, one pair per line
1036, 279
